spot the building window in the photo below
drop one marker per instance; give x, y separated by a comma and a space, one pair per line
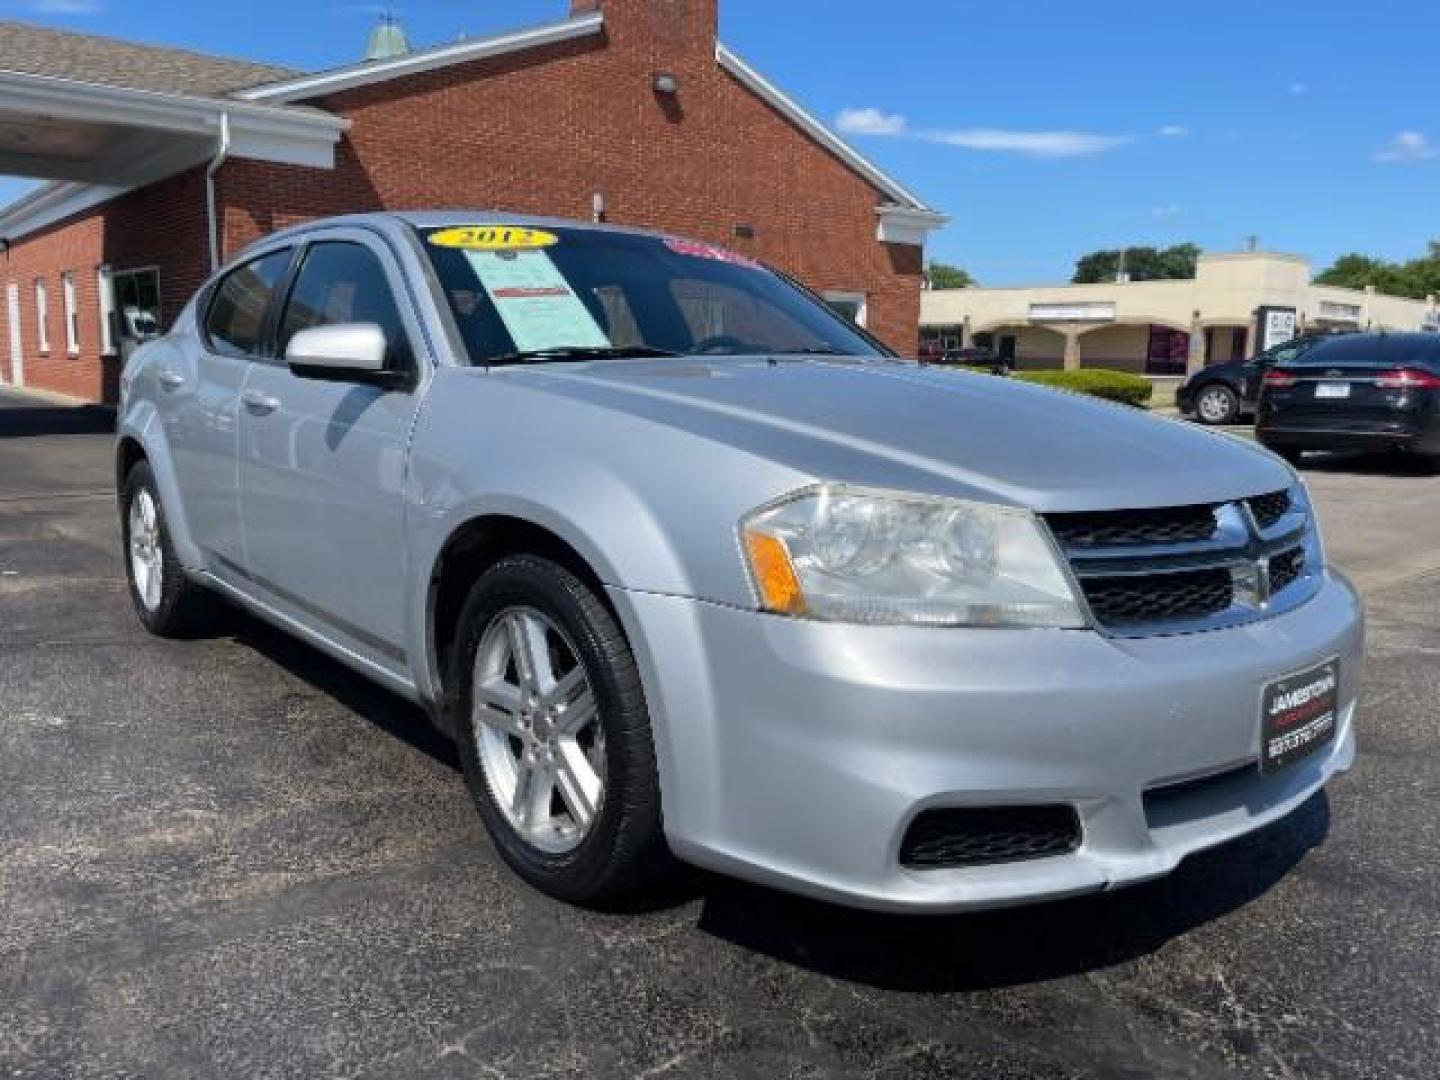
72, 313
848, 305
42, 315
105, 306
135, 304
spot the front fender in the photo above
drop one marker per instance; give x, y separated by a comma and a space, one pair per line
650, 508
140, 421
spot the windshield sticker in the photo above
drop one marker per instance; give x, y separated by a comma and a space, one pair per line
493, 238
535, 302
695, 249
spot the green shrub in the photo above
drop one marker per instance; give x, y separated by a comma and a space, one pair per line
1119, 386
1105, 383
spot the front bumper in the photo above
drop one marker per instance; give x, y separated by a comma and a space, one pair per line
797, 753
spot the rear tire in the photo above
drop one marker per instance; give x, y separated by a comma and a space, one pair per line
1217, 404
554, 733
168, 603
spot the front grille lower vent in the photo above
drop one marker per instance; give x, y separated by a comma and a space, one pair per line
1142, 598
975, 836
1268, 509
1113, 528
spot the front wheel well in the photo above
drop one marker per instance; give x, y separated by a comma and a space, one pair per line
474, 548
128, 454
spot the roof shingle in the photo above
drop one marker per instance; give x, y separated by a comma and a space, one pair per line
39, 50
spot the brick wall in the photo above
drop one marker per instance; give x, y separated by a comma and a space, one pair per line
162, 226
75, 248
538, 132
544, 130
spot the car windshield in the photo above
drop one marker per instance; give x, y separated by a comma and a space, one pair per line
526, 295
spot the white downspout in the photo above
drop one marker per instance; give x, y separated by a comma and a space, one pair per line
221, 154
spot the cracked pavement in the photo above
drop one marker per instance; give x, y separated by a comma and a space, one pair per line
233, 858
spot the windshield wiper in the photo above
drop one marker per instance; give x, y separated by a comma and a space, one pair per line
811, 350
579, 353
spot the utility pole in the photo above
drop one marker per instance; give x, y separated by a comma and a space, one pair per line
1252, 242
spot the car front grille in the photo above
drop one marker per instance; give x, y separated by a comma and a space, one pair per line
1167, 525
1189, 594
1193, 567
1285, 568
1269, 509
952, 837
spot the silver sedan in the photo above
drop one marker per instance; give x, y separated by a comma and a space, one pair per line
692, 567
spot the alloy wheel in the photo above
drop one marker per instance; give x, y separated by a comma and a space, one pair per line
537, 730
147, 558
1216, 405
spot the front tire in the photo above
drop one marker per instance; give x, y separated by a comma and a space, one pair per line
168, 603
1217, 404
554, 733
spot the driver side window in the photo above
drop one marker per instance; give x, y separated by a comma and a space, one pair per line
344, 282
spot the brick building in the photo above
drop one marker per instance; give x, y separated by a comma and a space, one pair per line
162, 161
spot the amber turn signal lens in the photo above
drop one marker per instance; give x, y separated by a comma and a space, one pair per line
775, 576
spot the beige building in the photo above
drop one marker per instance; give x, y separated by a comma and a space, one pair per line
1235, 306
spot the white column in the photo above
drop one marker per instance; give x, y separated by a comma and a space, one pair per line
1196, 358
1072, 350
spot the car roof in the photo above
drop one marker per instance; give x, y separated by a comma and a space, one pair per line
1402, 348
440, 219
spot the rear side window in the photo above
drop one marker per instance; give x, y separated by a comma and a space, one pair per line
235, 322
342, 282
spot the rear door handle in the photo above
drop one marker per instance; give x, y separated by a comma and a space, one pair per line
258, 403
171, 380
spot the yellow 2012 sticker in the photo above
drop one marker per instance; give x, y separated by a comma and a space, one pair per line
493, 238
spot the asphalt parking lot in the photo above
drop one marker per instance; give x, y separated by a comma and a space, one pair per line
232, 858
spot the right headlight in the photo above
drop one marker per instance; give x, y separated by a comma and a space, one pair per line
855, 555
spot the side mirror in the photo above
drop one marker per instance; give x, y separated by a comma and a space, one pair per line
344, 352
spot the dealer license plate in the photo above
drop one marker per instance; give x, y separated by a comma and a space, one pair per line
1332, 390
1299, 714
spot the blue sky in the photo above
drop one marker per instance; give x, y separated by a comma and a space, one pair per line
1046, 128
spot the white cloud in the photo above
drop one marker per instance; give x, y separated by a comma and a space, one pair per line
1042, 144
1174, 131
66, 7
1299, 89
1167, 211
870, 122
1408, 146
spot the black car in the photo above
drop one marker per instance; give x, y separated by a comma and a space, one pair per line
1224, 393
1358, 392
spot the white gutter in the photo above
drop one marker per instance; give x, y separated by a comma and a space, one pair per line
307, 87
221, 154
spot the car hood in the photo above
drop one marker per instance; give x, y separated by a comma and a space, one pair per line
893, 424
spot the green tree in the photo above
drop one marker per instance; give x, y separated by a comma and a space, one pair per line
944, 276
1416, 278
1141, 264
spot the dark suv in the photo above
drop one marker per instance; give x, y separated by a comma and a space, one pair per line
1225, 393
1358, 392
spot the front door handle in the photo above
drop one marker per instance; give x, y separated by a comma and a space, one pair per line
258, 403
170, 380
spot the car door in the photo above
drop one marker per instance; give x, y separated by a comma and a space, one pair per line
198, 394
323, 463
